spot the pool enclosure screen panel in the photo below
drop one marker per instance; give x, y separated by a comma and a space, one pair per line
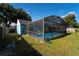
54, 26
36, 29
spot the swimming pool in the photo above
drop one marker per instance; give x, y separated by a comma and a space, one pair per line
49, 35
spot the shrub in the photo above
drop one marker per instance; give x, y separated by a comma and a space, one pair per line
77, 30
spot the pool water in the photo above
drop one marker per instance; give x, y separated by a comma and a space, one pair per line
49, 35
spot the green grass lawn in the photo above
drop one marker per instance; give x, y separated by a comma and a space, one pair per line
64, 46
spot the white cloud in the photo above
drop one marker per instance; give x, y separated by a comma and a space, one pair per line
72, 12
63, 16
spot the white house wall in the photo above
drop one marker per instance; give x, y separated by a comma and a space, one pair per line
20, 26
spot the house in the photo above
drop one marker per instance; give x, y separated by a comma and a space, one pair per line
46, 28
70, 30
21, 26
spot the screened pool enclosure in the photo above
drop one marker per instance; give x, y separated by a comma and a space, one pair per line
35, 29
47, 28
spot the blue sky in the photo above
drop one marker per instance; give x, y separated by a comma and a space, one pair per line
40, 10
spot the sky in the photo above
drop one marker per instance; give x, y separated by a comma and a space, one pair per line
40, 10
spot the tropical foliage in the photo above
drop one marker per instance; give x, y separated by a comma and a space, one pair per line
71, 21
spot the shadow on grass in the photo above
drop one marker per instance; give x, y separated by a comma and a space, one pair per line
64, 35
25, 49
3, 44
